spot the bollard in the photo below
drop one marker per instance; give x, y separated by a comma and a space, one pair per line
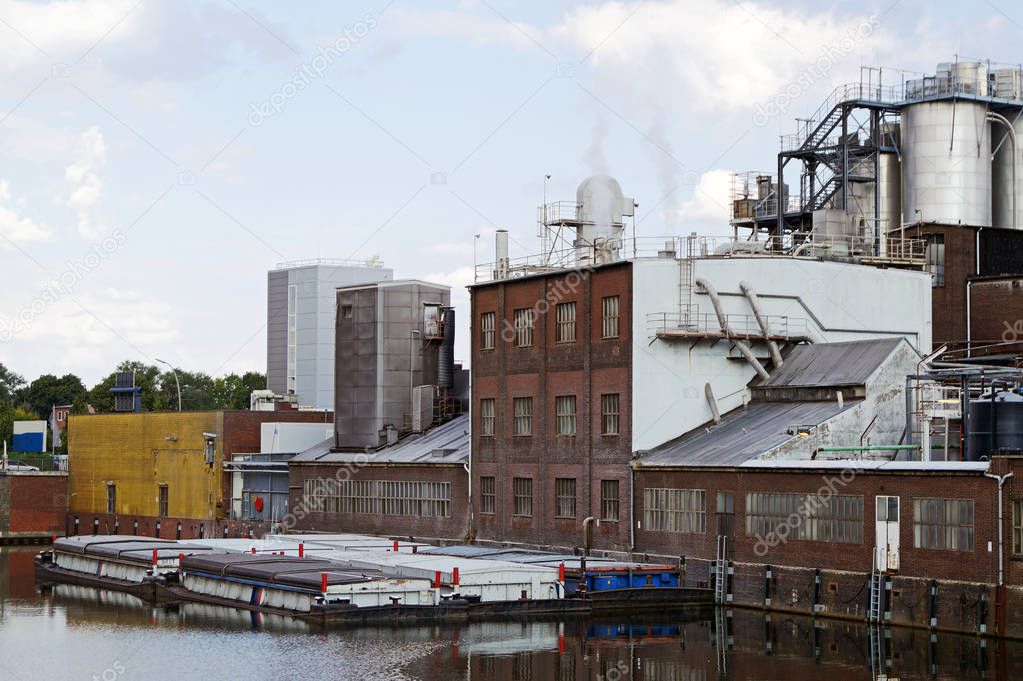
436, 580
561, 572
396, 546
301, 549
155, 556
454, 576
253, 550
323, 582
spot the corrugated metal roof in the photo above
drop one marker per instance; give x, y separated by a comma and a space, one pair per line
871, 465
824, 365
743, 434
446, 443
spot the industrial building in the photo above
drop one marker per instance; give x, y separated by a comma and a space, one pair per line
607, 346
932, 159
162, 473
300, 325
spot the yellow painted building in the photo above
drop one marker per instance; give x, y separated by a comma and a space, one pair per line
158, 464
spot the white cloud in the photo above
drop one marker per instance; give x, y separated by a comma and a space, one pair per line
708, 205
85, 188
477, 24
14, 227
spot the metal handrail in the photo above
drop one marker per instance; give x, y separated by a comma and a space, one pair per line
741, 326
340, 262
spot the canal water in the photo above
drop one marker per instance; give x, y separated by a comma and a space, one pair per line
76, 633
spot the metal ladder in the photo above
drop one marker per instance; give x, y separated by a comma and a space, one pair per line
877, 586
687, 310
878, 661
721, 571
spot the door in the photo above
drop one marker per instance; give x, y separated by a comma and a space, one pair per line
726, 522
886, 544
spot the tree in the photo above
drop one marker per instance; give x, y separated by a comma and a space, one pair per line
232, 391
10, 383
48, 390
147, 377
8, 415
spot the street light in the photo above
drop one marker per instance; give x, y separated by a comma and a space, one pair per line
176, 382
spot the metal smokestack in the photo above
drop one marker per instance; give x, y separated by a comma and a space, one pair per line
501, 253
446, 359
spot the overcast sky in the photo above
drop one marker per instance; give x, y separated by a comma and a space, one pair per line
157, 157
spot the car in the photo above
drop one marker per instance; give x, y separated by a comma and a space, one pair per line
15, 465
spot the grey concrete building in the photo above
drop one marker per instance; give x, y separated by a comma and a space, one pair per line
389, 337
300, 324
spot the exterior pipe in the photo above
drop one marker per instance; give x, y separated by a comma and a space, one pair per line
632, 510
868, 448
998, 118
587, 525
712, 403
758, 312
727, 330
1002, 479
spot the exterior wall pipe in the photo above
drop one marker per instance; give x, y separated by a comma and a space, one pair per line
587, 531
727, 330
998, 118
715, 413
1001, 479
758, 312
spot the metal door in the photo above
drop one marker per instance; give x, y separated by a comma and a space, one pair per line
726, 521
887, 533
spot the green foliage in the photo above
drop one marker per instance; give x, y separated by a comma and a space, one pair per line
10, 383
48, 390
8, 415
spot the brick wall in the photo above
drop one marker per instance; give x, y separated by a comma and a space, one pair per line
586, 368
996, 314
32, 504
455, 526
165, 528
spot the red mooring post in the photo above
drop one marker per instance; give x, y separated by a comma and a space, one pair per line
436, 580
323, 582
181, 557
396, 546
301, 549
561, 572
154, 557
454, 576
253, 550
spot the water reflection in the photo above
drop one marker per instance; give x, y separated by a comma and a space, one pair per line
53, 634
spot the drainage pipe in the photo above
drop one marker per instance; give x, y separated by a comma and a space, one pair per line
727, 330
758, 312
715, 413
587, 531
1001, 479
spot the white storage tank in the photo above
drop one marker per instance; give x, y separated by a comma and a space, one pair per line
1001, 175
946, 168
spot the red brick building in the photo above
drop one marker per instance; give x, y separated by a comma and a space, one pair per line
32, 503
551, 385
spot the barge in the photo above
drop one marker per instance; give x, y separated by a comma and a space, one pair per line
350, 580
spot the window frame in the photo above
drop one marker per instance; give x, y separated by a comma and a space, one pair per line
609, 502
488, 417
522, 419
564, 495
611, 319
163, 501
566, 423
1016, 509
112, 497
524, 326
522, 497
488, 495
610, 421
929, 532
565, 328
488, 331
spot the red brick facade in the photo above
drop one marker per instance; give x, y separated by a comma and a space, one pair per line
32, 504
586, 368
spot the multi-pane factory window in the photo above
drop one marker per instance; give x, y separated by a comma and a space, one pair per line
609, 500
522, 423
943, 524
565, 332
1017, 526
609, 413
524, 327
675, 510
488, 325
611, 316
564, 488
111, 498
564, 407
163, 499
523, 490
936, 258
347, 312
488, 416
488, 495
811, 517
379, 497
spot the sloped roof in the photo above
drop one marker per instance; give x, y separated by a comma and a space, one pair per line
828, 365
743, 434
446, 443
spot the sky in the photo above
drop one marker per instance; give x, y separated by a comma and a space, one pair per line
158, 157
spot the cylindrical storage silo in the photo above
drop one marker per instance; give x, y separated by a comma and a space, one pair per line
1001, 175
995, 424
446, 358
889, 184
946, 163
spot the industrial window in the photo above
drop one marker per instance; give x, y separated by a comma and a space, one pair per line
1017, 526
320, 495
609, 413
395, 497
488, 495
523, 489
936, 258
292, 357
943, 524
564, 407
564, 489
488, 325
164, 501
487, 417
111, 498
347, 312
609, 500
810, 517
611, 315
522, 423
675, 510
565, 332
523, 328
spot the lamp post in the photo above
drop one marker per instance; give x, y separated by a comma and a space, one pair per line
176, 381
